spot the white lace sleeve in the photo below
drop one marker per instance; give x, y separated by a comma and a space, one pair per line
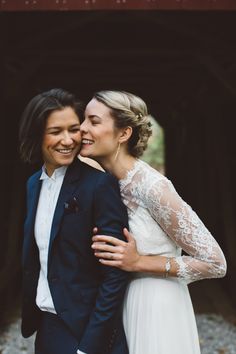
205, 258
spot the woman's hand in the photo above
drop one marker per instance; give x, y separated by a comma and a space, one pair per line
116, 253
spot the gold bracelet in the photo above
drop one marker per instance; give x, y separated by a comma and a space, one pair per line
167, 267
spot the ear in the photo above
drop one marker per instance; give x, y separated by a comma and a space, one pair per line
125, 134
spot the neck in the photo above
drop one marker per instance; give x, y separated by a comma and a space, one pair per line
120, 166
49, 171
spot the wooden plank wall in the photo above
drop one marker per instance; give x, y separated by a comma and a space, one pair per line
75, 5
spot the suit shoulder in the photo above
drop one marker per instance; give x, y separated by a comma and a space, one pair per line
98, 179
34, 177
95, 173
88, 168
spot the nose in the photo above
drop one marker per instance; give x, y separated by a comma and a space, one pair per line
67, 139
83, 127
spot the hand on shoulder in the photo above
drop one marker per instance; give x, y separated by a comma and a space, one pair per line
116, 253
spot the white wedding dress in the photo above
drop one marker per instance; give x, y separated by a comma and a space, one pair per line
158, 314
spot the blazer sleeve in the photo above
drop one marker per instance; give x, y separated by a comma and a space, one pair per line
110, 217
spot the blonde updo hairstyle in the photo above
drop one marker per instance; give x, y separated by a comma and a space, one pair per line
129, 110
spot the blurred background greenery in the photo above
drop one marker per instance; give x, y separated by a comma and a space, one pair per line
154, 155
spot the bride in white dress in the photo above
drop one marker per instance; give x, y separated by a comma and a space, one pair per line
158, 314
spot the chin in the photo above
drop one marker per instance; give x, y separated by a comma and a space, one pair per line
67, 162
85, 154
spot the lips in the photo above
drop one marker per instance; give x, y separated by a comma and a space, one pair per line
87, 142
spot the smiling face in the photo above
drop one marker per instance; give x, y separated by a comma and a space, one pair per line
100, 137
61, 139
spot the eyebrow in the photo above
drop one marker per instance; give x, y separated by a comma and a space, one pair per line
90, 116
71, 126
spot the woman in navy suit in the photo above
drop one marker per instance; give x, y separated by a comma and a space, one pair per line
69, 297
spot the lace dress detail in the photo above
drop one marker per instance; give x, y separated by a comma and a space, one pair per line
154, 205
156, 308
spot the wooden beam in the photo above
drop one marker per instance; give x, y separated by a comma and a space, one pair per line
81, 5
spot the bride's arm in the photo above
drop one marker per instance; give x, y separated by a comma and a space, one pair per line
205, 258
124, 255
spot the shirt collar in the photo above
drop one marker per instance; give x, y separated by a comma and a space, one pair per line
60, 171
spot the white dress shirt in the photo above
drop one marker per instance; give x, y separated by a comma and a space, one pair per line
49, 193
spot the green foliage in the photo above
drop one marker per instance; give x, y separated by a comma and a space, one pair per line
154, 155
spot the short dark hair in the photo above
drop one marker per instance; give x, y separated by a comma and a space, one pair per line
34, 117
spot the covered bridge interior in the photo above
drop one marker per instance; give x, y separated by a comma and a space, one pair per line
181, 61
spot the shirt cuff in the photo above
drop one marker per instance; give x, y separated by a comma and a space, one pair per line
79, 352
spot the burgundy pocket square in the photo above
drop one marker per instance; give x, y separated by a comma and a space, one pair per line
72, 206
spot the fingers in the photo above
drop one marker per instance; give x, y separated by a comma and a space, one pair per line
101, 246
108, 239
108, 255
95, 230
128, 235
110, 263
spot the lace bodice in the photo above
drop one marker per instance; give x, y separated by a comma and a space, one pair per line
163, 224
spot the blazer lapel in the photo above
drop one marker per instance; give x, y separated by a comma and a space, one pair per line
68, 186
33, 196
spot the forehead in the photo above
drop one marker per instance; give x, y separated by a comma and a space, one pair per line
64, 116
96, 108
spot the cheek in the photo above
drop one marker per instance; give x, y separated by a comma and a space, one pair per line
77, 137
47, 141
107, 143
80, 135
106, 134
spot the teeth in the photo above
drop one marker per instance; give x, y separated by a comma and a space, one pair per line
85, 141
64, 151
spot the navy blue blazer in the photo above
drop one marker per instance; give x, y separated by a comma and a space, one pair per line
87, 295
